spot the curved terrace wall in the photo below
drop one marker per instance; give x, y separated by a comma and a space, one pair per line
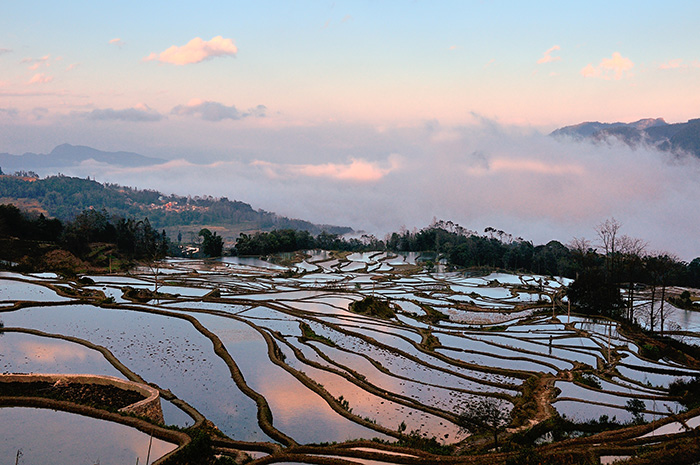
149, 407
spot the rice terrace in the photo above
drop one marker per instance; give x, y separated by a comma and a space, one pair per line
338, 358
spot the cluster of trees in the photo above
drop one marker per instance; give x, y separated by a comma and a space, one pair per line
608, 275
290, 240
21, 174
133, 239
616, 262
212, 243
13, 223
495, 249
462, 247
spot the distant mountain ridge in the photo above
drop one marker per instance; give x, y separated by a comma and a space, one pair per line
66, 155
655, 132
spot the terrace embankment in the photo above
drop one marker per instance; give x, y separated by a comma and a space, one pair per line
101, 391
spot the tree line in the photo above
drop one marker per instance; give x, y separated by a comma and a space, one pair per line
132, 239
615, 261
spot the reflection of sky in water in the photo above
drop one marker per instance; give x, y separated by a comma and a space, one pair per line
387, 413
296, 410
250, 261
27, 353
583, 411
574, 391
16, 290
486, 360
673, 428
167, 351
61, 438
171, 353
173, 415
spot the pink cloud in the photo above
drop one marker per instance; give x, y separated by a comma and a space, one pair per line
536, 166
40, 78
547, 56
36, 63
117, 41
615, 67
195, 51
358, 170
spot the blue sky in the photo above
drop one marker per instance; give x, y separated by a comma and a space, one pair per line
378, 62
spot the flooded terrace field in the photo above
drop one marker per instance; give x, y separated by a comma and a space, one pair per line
274, 354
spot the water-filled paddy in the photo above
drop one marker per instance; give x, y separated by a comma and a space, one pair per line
418, 368
61, 438
28, 353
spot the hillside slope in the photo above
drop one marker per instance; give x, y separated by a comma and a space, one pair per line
64, 197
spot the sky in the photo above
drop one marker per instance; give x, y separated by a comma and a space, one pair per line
373, 114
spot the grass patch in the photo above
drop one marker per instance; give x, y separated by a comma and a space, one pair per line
587, 379
372, 306
308, 334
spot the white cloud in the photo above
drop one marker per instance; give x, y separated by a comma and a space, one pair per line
615, 67
215, 111
357, 169
195, 51
138, 113
40, 78
547, 56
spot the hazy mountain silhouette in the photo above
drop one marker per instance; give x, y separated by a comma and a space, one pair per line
66, 155
655, 132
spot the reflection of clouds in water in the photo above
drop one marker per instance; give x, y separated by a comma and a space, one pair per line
67, 439
28, 353
50, 352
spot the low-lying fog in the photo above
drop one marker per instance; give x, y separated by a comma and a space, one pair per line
378, 180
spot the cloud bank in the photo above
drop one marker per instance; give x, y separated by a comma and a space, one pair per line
355, 170
522, 182
195, 51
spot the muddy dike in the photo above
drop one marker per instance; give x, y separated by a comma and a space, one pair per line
105, 397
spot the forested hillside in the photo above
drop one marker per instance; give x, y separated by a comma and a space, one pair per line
65, 197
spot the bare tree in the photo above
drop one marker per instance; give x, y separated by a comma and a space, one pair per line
579, 245
632, 250
659, 267
608, 235
487, 414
